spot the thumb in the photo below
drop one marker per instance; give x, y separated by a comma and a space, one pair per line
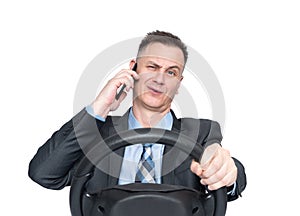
196, 168
208, 155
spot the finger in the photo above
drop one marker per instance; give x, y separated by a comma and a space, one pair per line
208, 155
135, 75
129, 81
226, 176
125, 79
196, 168
213, 166
216, 177
128, 72
226, 181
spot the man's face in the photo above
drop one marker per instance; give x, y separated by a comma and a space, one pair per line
160, 68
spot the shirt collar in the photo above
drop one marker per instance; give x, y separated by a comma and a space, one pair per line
165, 123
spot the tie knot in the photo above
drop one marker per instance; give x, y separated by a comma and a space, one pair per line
147, 145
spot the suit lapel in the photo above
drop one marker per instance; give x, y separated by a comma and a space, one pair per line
119, 124
168, 176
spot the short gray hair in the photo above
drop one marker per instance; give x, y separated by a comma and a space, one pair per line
165, 38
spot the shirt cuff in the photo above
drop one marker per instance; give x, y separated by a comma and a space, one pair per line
90, 111
232, 192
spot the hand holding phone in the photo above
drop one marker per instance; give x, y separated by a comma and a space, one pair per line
121, 89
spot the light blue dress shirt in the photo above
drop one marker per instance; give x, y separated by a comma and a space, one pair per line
133, 153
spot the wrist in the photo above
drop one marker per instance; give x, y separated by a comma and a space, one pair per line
100, 109
90, 111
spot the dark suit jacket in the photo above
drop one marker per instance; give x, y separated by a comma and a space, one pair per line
54, 163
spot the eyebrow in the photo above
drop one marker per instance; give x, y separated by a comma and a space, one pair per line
174, 67
159, 66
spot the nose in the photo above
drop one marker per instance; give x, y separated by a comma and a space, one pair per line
159, 77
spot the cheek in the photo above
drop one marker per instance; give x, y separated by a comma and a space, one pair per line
143, 79
139, 87
146, 74
173, 89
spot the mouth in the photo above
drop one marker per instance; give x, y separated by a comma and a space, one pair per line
155, 90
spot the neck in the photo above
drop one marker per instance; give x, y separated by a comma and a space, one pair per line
148, 117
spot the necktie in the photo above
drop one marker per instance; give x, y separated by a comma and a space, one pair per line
145, 173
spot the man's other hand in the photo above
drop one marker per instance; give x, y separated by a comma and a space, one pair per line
216, 168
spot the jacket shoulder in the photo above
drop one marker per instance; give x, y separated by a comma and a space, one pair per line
207, 131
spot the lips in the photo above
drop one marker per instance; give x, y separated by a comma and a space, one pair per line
155, 90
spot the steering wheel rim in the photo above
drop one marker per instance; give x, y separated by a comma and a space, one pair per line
132, 137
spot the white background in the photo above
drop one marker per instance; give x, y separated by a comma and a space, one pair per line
252, 46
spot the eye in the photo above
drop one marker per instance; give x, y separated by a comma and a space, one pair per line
171, 73
151, 67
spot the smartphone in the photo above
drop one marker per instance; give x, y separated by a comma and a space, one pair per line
121, 89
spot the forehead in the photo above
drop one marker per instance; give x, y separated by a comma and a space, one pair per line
160, 51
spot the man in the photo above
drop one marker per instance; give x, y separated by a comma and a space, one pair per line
154, 81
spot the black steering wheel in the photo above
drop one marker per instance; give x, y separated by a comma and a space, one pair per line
86, 168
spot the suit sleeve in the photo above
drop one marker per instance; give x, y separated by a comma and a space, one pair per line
215, 136
241, 181
53, 164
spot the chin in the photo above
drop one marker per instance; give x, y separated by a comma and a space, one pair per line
157, 105
154, 102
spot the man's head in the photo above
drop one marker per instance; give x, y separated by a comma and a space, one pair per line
161, 60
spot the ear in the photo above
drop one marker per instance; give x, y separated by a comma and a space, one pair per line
132, 63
